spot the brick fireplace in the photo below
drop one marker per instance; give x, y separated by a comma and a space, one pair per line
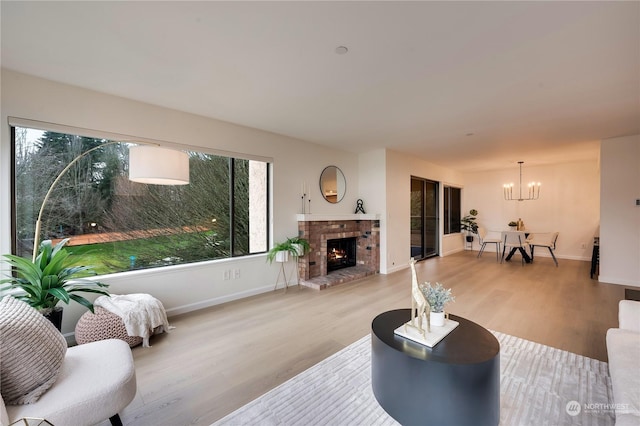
318, 229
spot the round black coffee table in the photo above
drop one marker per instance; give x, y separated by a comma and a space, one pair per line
457, 382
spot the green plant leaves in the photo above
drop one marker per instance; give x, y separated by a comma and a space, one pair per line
48, 280
468, 223
437, 296
289, 245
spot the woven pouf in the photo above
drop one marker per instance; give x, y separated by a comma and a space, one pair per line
101, 326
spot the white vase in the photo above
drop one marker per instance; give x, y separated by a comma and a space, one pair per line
437, 319
282, 256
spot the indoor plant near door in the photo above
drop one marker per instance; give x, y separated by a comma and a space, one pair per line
438, 297
469, 224
50, 279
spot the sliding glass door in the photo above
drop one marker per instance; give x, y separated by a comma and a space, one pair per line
424, 218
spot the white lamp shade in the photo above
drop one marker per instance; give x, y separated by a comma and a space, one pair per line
158, 166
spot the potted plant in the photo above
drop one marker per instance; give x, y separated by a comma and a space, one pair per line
513, 225
280, 252
300, 245
50, 279
438, 297
294, 246
469, 224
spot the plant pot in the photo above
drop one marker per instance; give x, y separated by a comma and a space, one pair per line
469, 238
282, 256
55, 316
437, 319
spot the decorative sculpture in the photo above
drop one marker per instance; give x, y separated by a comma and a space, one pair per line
420, 308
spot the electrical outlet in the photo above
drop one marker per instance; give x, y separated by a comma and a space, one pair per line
226, 275
236, 274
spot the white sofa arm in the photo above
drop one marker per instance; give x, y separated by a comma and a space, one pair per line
629, 315
4, 417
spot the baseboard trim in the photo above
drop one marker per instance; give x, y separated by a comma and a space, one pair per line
178, 310
613, 280
71, 337
395, 268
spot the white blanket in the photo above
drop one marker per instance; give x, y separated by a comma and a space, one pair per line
143, 315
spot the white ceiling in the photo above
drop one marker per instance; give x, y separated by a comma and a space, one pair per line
468, 85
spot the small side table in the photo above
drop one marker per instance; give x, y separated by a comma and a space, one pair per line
457, 382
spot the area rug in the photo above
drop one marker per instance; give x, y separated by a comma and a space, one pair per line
539, 385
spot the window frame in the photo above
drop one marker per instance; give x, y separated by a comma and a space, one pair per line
450, 218
230, 156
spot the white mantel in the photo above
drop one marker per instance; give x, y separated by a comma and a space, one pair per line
327, 217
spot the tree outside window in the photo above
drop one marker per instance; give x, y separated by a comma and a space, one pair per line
118, 225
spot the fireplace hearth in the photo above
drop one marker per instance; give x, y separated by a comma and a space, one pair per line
341, 253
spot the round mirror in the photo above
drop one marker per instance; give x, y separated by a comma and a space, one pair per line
332, 184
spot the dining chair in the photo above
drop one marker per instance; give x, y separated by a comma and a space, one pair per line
484, 240
543, 239
515, 240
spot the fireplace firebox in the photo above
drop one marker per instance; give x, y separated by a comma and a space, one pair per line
341, 253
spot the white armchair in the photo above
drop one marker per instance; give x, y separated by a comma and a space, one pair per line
96, 382
43, 379
623, 349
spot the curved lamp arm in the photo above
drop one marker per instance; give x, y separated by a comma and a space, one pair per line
169, 167
36, 236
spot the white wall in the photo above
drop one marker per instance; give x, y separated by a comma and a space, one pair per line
620, 216
569, 203
400, 168
372, 181
180, 288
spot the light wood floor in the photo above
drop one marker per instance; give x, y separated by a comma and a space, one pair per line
220, 358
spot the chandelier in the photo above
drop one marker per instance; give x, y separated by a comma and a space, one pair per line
533, 189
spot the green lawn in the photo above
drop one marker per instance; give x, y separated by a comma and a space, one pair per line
107, 258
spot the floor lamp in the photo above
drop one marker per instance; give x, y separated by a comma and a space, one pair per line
148, 164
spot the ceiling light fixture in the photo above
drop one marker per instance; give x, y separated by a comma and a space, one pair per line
158, 166
341, 50
533, 189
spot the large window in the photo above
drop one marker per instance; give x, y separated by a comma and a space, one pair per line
118, 225
452, 213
